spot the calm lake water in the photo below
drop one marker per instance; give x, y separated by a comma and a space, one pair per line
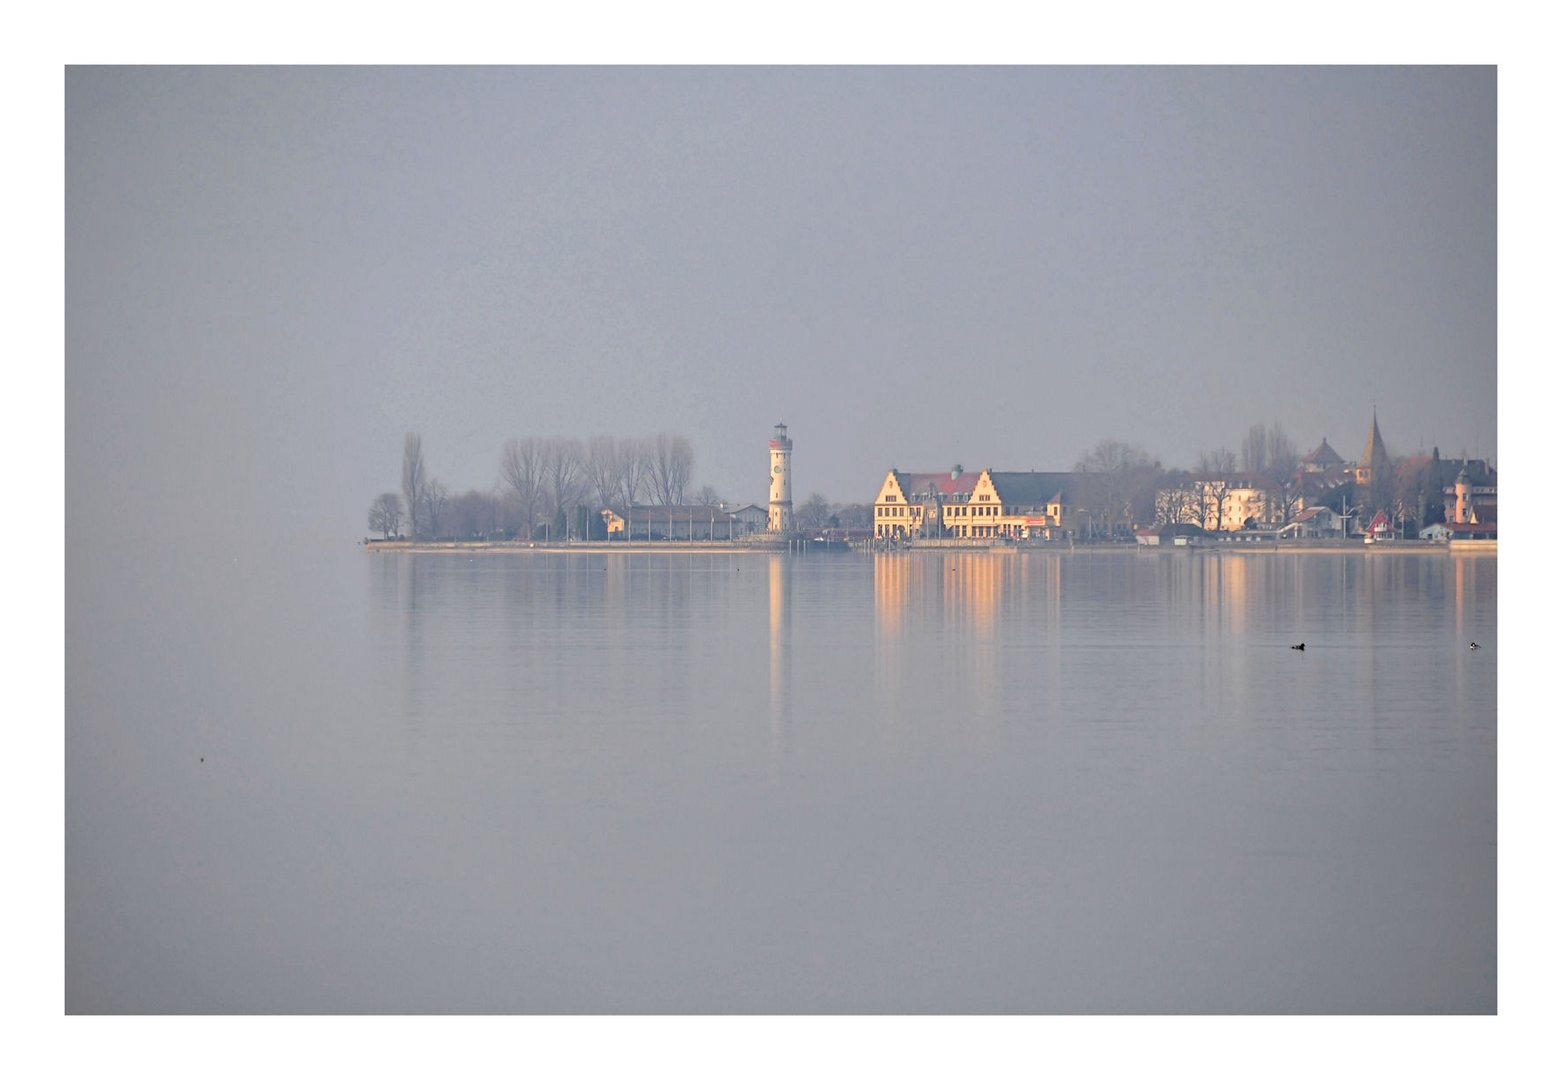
668, 783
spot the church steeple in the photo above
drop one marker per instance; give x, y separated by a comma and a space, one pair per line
1374, 457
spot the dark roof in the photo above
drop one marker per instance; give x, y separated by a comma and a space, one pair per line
1323, 455
1320, 483
1180, 528
1033, 488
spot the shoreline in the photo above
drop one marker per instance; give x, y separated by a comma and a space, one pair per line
806, 547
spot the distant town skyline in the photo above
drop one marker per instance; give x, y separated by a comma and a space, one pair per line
910, 266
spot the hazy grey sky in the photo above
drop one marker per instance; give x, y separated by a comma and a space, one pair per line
272, 274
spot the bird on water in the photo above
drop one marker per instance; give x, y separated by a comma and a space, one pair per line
1300, 647
1473, 645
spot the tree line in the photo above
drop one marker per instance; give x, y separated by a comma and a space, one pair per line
547, 488
1122, 484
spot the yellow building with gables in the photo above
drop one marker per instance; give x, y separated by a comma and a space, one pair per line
988, 505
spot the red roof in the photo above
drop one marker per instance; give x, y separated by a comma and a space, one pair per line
916, 483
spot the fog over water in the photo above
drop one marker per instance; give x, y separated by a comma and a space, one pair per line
989, 783
963, 783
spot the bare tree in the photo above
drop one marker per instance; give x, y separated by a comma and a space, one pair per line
1283, 460
1418, 498
435, 497
814, 514
1255, 450
1177, 501
601, 466
854, 515
520, 474
635, 472
562, 477
672, 462
385, 514
1119, 482
413, 477
1221, 462
708, 496
473, 515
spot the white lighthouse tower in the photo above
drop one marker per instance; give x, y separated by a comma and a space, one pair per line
780, 481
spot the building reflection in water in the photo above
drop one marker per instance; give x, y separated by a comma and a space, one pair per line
974, 587
780, 571
938, 616
892, 584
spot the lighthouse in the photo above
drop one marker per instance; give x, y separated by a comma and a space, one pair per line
780, 481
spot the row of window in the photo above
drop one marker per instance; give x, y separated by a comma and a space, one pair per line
960, 511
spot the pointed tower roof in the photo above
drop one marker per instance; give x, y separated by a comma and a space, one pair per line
1323, 455
1376, 454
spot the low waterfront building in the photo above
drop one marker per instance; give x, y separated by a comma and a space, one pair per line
750, 518
683, 523
1314, 523
1471, 530
1381, 527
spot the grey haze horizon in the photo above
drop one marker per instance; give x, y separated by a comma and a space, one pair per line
272, 274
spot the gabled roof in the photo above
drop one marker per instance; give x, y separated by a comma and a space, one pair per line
1312, 512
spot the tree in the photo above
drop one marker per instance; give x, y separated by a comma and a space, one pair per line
854, 516
1255, 450
435, 497
602, 466
1221, 462
671, 463
385, 514
1269, 453
520, 474
1119, 482
413, 477
814, 514
708, 496
1280, 452
1178, 501
635, 469
1213, 492
1282, 462
562, 475
1211, 487
473, 515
